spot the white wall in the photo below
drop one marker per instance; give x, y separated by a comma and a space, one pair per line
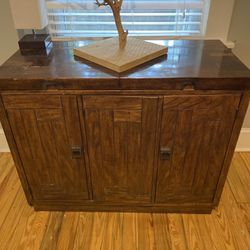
240, 34
219, 19
9, 37
240, 31
8, 45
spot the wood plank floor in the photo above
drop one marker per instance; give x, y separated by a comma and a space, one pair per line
228, 227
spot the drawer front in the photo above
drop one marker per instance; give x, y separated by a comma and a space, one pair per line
32, 101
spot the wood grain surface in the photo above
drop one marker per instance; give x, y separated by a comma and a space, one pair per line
121, 147
190, 125
204, 64
228, 227
47, 135
148, 153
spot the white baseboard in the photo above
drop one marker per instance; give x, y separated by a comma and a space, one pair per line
229, 44
243, 144
3, 143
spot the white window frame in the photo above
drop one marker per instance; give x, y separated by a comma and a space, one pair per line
90, 4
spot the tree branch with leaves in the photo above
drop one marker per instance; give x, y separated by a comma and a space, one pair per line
115, 6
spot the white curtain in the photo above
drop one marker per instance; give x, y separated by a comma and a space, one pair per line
83, 19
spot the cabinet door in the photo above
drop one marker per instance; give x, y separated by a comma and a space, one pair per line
48, 137
121, 146
195, 133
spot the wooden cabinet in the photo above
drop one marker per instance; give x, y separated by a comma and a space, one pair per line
121, 138
195, 133
48, 137
158, 138
150, 150
121, 150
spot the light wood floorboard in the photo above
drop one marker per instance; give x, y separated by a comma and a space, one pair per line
228, 227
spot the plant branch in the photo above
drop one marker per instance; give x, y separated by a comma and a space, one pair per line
116, 5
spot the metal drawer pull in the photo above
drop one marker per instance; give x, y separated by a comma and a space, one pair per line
76, 152
165, 153
188, 87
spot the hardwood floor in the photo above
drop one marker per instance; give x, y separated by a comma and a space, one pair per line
228, 227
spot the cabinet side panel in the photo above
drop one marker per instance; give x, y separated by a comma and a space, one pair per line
244, 103
15, 152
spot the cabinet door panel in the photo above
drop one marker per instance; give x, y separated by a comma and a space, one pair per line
44, 139
121, 141
196, 130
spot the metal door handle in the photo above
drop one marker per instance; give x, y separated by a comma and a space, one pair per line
76, 152
165, 153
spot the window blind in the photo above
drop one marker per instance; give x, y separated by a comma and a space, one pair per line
147, 18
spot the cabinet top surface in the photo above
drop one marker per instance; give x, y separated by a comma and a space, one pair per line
207, 64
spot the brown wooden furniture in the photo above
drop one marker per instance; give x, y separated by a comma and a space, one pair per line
159, 138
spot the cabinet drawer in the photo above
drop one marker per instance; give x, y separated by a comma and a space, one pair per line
112, 102
35, 101
199, 102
